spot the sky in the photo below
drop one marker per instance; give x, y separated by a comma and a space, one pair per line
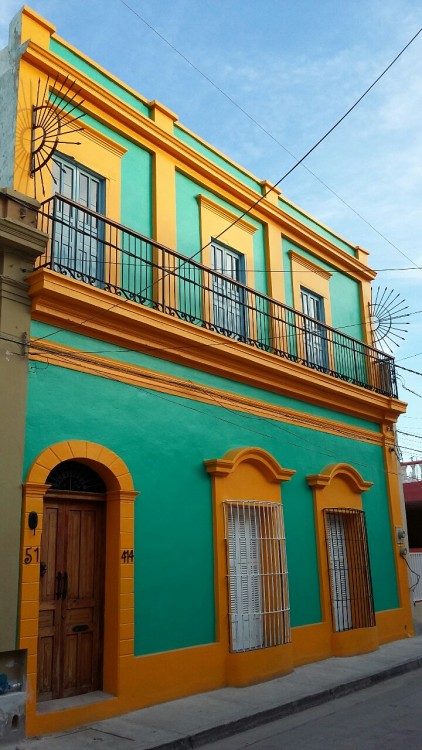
295, 68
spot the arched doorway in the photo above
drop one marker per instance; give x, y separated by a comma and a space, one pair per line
118, 637
72, 564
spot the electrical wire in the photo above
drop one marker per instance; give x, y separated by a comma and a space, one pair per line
407, 369
418, 577
285, 175
197, 388
268, 133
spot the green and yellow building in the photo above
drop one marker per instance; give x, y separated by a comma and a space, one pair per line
208, 491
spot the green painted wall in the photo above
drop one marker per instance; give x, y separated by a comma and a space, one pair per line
102, 78
164, 441
87, 344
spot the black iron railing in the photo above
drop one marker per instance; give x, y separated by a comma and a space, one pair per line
97, 251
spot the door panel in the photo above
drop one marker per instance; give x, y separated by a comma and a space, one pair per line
77, 245
315, 334
71, 598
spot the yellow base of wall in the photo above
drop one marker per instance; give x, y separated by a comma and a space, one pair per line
146, 680
256, 666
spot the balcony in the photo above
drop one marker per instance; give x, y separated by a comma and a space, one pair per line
90, 248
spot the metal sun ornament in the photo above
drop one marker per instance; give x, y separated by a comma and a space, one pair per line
387, 316
50, 122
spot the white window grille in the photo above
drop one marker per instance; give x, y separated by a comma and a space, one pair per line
350, 575
259, 611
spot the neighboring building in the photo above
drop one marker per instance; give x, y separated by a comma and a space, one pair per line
209, 456
412, 491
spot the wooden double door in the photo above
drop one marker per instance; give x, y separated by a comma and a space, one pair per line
71, 610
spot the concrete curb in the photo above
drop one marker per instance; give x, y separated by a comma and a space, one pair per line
230, 728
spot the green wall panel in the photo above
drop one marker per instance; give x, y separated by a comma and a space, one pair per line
313, 224
104, 80
216, 158
164, 441
188, 226
87, 344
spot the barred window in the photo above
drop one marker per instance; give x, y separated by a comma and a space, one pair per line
259, 612
350, 575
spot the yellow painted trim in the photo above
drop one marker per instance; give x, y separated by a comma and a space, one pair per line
338, 486
250, 473
318, 282
120, 498
308, 265
66, 303
112, 369
397, 518
215, 219
206, 204
162, 116
129, 122
96, 152
258, 457
348, 473
164, 223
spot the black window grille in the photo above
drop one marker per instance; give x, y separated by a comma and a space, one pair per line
352, 602
75, 477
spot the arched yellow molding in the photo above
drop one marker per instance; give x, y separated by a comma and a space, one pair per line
258, 457
109, 466
254, 475
119, 579
338, 486
346, 472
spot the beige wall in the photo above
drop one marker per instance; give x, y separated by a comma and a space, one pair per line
20, 244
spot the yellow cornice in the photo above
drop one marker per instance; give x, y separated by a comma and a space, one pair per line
72, 305
103, 71
140, 377
205, 202
297, 258
124, 118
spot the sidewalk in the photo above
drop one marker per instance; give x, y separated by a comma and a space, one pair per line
207, 717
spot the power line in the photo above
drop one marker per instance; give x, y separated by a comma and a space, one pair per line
410, 356
286, 174
410, 434
415, 372
270, 135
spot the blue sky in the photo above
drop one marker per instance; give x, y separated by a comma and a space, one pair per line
295, 68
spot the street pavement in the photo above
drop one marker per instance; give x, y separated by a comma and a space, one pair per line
213, 716
386, 716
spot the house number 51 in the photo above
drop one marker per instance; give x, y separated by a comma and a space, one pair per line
32, 554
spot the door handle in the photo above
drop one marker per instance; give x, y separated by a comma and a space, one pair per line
59, 585
64, 588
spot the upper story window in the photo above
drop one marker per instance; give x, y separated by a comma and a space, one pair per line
315, 337
77, 234
228, 298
